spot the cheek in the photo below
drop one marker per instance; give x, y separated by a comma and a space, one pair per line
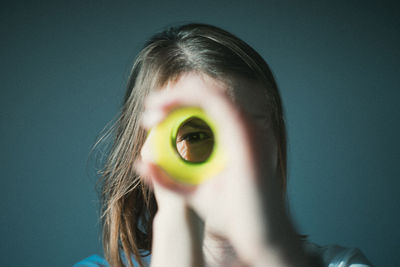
182, 149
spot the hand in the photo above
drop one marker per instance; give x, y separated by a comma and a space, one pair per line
241, 203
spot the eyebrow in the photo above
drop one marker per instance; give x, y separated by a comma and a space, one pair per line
196, 125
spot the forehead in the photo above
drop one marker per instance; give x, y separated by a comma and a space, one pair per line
249, 96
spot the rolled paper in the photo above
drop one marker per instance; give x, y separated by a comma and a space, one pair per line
162, 140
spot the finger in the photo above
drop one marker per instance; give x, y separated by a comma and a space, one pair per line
235, 137
152, 117
153, 174
144, 173
213, 101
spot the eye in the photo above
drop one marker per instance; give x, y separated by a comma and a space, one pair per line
194, 140
195, 137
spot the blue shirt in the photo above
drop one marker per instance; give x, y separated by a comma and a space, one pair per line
325, 256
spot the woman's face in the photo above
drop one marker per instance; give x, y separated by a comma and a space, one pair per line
195, 139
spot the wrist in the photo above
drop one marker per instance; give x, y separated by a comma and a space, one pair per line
177, 237
279, 243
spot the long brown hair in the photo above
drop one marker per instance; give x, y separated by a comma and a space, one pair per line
128, 206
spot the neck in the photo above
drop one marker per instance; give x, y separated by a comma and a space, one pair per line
218, 251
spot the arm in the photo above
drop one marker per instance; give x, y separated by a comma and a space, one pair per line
242, 203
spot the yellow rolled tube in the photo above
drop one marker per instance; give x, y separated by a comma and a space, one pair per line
162, 140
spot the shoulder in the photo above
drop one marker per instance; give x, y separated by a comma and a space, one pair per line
97, 261
336, 256
92, 261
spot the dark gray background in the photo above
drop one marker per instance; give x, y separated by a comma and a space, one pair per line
64, 67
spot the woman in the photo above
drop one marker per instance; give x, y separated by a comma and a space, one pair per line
236, 218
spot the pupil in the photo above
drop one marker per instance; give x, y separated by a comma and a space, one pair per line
195, 136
